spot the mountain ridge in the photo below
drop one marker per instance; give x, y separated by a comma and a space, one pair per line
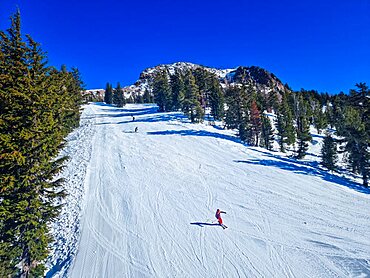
263, 80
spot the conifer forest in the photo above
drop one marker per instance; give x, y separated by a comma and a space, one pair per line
39, 106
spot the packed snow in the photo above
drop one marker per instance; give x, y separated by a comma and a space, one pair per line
147, 203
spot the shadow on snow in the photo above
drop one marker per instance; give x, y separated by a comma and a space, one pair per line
151, 119
300, 168
289, 164
201, 224
192, 132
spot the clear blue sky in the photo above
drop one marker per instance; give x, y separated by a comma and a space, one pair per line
316, 44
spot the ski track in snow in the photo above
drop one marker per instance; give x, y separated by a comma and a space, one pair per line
148, 201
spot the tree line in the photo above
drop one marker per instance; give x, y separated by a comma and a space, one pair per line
39, 106
243, 106
116, 96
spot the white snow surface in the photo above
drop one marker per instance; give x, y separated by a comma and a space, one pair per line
149, 198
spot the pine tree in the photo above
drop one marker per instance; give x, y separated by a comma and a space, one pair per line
118, 98
255, 124
191, 105
162, 91
280, 126
356, 130
72, 90
272, 102
238, 110
216, 99
139, 98
202, 80
233, 113
329, 153
38, 107
267, 133
303, 127
147, 97
178, 90
339, 103
320, 119
130, 99
284, 124
108, 95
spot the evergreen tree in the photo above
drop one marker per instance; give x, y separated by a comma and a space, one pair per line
162, 91
139, 98
267, 133
191, 105
147, 97
38, 107
178, 90
339, 103
303, 136
108, 95
233, 113
118, 98
255, 124
281, 131
284, 124
216, 99
130, 99
356, 132
202, 80
272, 102
320, 119
238, 112
329, 153
303, 127
72, 91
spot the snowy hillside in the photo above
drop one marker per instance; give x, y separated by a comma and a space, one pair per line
149, 199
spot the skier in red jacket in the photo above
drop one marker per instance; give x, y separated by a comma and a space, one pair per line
218, 216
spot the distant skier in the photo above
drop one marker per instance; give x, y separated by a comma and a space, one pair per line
133, 118
218, 216
136, 129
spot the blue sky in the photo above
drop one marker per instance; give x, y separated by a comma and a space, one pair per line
322, 45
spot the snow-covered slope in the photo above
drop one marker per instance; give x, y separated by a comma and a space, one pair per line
151, 196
